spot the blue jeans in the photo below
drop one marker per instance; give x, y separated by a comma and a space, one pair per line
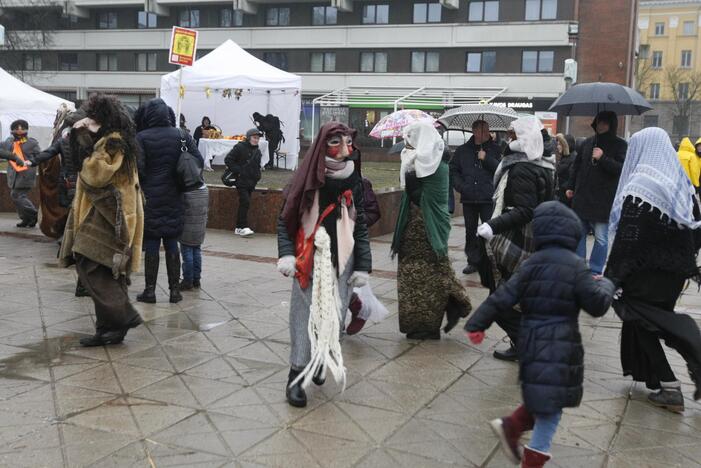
544, 431
153, 244
597, 261
192, 262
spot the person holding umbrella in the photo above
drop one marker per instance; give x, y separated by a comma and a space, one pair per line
593, 182
471, 172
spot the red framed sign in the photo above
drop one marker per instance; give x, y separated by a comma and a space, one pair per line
183, 46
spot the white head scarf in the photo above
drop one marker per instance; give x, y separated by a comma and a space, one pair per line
426, 153
653, 174
529, 140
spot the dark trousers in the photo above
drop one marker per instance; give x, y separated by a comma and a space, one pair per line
244, 204
153, 244
473, 213
113, 311
510, 322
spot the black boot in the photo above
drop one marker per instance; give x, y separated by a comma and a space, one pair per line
173, 268
509, 354
32, 222
151, 261
669, 397
104, 338
454, 311
319, 377
80, 290
296, 395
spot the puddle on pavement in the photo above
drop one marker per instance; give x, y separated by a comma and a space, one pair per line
183, 322
40, 355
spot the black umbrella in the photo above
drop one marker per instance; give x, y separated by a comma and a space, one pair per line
592, 98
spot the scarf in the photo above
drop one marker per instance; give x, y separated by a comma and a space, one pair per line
339, 169
423, 151
17, 150
652, 173
510, 159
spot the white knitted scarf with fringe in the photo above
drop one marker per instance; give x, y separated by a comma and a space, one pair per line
324, 321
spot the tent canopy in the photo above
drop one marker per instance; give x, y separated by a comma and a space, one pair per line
18, 100
228, 85
229, 66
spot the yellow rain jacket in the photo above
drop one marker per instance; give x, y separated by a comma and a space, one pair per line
689, 160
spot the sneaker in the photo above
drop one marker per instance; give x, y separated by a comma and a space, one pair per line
669, 398
244, 232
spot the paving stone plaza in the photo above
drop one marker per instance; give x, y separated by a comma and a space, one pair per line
202, 383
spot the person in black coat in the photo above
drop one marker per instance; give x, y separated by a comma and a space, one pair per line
564, 154
206, 125
471, 171
551, 287
161, 146
593, 182
271, 127
244, 163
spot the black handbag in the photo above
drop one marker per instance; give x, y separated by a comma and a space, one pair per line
188, 169
228, 178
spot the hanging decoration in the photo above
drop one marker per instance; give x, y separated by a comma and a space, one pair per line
226, 93
208, 92
181, 91
238, 93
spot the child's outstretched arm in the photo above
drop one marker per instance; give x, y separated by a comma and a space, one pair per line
593, 295
504, 298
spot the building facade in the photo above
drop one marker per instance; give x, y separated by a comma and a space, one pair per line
668, 66
117, 46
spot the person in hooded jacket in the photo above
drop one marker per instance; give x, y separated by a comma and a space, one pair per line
18, 149
244, 162
551, 287
472, 173
689, 161
160, 143
563, 153
593, 183
524, 179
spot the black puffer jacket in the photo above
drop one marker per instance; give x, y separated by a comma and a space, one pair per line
244, 161
473, 178
528, 186
551, 288
595, 184
160, 146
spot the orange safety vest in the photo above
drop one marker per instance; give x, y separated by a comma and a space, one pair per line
17, 150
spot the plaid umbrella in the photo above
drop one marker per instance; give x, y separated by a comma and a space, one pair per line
391, 126
462, 118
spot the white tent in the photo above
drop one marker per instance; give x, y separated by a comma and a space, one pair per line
228, 85
18, 100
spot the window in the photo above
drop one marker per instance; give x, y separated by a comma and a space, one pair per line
32, 62
654, 91
373, 62
276, 59
686, 59
230, 18
189, 18
147, 20
689, 28
68, 62
427, 12
324, 15
644, 52
107, 20
484, 62
650, 121
376, 14
484, 11
537, 61
425, 62
277, 17
107, 62
541, 10
659, 29
146, 61
323, 62
683, 90
657, 59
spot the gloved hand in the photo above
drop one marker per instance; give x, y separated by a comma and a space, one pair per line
28, 163
287, 265
484, 230
358, 279
476, 337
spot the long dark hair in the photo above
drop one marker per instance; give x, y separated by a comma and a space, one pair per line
112, 116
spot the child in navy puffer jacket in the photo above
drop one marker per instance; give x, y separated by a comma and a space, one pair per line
551, 287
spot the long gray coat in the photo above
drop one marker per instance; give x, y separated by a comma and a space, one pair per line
196, 209
24, 179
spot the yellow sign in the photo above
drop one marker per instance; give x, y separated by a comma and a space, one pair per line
183, 46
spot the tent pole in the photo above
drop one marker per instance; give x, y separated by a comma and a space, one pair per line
180, 98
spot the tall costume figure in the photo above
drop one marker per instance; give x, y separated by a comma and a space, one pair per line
323, 242
655, 220
106, 224
270, 125
426, 282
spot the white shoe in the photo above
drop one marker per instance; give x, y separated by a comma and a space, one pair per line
244, 232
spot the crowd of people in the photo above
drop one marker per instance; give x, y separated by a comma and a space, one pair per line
135, 184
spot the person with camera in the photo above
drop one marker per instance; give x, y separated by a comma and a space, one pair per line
244, 164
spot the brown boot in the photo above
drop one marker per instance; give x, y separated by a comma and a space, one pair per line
533, 458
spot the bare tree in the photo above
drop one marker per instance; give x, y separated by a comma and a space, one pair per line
643, 74
685, 86
28, 28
